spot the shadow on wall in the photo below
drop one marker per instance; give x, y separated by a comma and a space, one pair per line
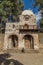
5, 61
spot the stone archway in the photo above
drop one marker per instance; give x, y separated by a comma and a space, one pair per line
28, 41
13, 41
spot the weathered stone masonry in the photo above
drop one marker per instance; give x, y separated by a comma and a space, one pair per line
22, 34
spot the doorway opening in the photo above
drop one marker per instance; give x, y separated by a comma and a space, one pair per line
28, 41
14, 40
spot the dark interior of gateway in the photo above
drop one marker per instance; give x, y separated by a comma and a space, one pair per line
29, 41
14, 39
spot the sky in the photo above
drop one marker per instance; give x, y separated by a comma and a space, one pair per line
28, 4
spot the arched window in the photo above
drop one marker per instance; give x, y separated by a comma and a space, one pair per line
26, 26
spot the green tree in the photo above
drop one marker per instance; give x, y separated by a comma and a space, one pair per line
10, 8
40, 4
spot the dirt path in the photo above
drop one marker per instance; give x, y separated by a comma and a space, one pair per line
28, 59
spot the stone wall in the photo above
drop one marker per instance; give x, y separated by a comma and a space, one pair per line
1, 41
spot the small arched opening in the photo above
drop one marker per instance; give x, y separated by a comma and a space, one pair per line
13, 41
26, 26
28, 41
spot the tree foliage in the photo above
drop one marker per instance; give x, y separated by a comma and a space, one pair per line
40, 4
10, 8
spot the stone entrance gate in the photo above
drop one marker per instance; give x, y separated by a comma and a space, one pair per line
22, 34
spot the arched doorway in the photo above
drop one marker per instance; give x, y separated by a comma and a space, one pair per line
13, 39
28, 41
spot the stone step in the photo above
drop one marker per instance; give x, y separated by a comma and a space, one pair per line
22, 51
